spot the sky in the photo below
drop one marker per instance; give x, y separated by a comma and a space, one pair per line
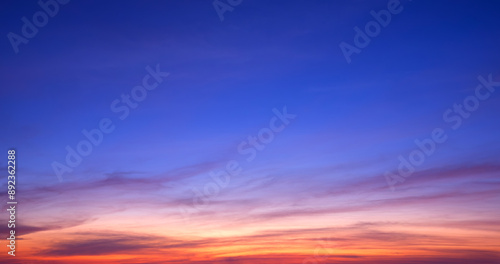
239, 131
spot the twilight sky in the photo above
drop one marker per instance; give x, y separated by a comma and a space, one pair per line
157, 132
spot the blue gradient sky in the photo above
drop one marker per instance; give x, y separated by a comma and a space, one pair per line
353, 119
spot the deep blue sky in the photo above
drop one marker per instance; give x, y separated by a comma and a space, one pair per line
226, 76
353, 119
